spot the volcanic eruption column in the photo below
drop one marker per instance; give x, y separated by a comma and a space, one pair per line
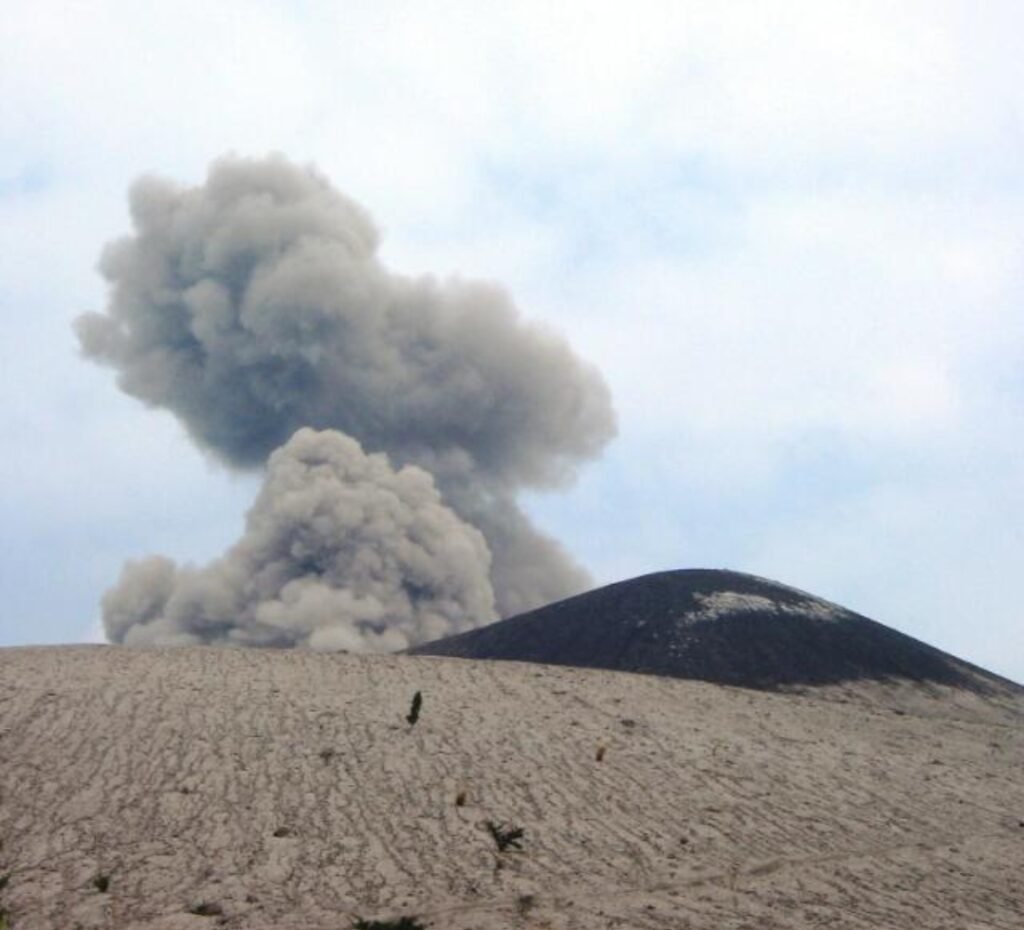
395, 418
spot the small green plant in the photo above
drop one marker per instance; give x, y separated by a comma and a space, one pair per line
399, 923
506, 835
101, 883
525, 903
414, 711
5, 919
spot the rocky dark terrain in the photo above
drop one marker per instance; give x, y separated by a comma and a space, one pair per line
718, 626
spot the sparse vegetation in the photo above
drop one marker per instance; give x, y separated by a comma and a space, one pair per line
5, 920
101, 883
525, 903
399, 923
506, 835
414, 710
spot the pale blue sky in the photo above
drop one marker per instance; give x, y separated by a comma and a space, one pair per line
790, 234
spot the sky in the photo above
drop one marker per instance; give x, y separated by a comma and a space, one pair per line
790, 235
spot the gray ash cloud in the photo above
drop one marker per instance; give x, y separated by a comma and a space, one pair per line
255, 305
340, 551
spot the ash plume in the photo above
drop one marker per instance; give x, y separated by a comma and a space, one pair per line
255, 305
340, 552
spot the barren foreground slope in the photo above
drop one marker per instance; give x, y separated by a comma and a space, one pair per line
200, 787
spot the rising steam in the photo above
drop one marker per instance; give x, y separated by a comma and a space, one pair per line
254, 306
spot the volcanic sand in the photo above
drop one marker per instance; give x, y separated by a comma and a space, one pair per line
207, 787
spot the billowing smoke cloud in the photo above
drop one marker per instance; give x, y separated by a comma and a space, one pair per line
340, 552
255, 305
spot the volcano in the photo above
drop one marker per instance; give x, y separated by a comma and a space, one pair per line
718, 626
285, 789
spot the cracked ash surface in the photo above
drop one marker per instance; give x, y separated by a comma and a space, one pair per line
204, 787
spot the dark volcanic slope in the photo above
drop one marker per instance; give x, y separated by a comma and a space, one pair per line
718, 626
